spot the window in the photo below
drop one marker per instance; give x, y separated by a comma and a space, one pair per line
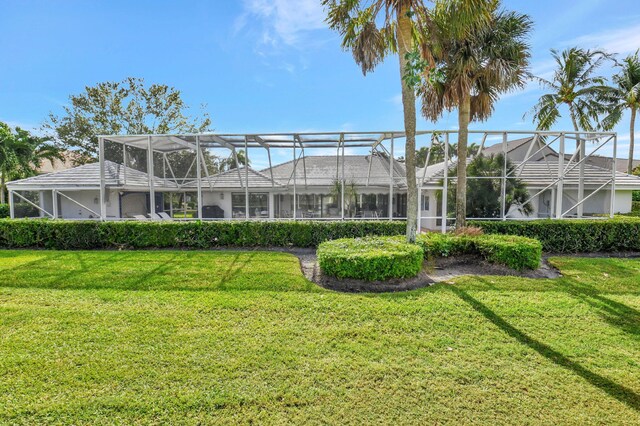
258, 204
309, 205
425, 201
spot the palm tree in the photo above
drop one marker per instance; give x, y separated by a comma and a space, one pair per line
574, 85
470, 73
626, 96
484, 196
21, 154
373, 29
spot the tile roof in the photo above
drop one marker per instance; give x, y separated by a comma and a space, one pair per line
543, 173
324, 170
87, 175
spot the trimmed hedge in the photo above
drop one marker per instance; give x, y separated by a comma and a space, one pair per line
371, 258
573, 236
4, 211
515, 252
70, 235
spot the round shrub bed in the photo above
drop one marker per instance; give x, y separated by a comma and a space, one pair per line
370, 258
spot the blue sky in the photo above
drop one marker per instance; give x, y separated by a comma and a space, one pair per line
258, 65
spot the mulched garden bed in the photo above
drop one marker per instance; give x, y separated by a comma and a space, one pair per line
436, 270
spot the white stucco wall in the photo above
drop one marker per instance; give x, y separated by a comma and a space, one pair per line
67, 209
221, 199
623, 202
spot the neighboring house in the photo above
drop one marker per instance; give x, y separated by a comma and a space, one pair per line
57, 165
373, 187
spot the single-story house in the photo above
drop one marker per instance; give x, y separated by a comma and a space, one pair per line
324, 187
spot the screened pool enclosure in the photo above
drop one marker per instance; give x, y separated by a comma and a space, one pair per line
333, 176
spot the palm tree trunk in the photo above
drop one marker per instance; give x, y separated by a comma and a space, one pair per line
464, 116
632, 129
579, 148
404, 38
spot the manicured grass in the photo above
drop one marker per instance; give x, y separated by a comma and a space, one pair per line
240, 337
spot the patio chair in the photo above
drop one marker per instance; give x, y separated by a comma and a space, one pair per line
140, 217
165, 216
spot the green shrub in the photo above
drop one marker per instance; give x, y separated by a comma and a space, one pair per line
573, 236
635, 196
445, 245
4, 211
67, 235
370, 258
515, 252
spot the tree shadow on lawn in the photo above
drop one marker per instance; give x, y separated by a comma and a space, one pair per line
615, 313
181, 271
613, 389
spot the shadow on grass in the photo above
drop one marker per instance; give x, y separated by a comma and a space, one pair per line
613, 389
615, 313
168, 271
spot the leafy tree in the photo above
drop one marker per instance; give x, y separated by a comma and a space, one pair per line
374, 29
624, 96
471, 71
117, 108
21, 154
437, 152
484, 195
575, 85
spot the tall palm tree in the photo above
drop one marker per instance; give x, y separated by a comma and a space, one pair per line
21, 154
471, 72
374, 29
626, 96
575, 85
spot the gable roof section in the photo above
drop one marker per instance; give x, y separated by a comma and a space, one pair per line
538, 174
236, 178
86, 176
324, 170
511, 145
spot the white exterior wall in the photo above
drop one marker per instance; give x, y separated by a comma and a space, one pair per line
134, 204
431, 212
90, 198
221, 199
623, 202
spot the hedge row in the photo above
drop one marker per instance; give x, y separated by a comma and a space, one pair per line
69, 235
370, 259
4, 211
515, 252
573, 236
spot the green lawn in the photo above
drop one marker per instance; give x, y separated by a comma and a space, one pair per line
239, 337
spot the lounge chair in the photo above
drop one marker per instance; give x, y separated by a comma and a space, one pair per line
164, 215
139, 217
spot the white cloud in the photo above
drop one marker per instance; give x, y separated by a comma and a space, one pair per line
622, 40
282, 21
